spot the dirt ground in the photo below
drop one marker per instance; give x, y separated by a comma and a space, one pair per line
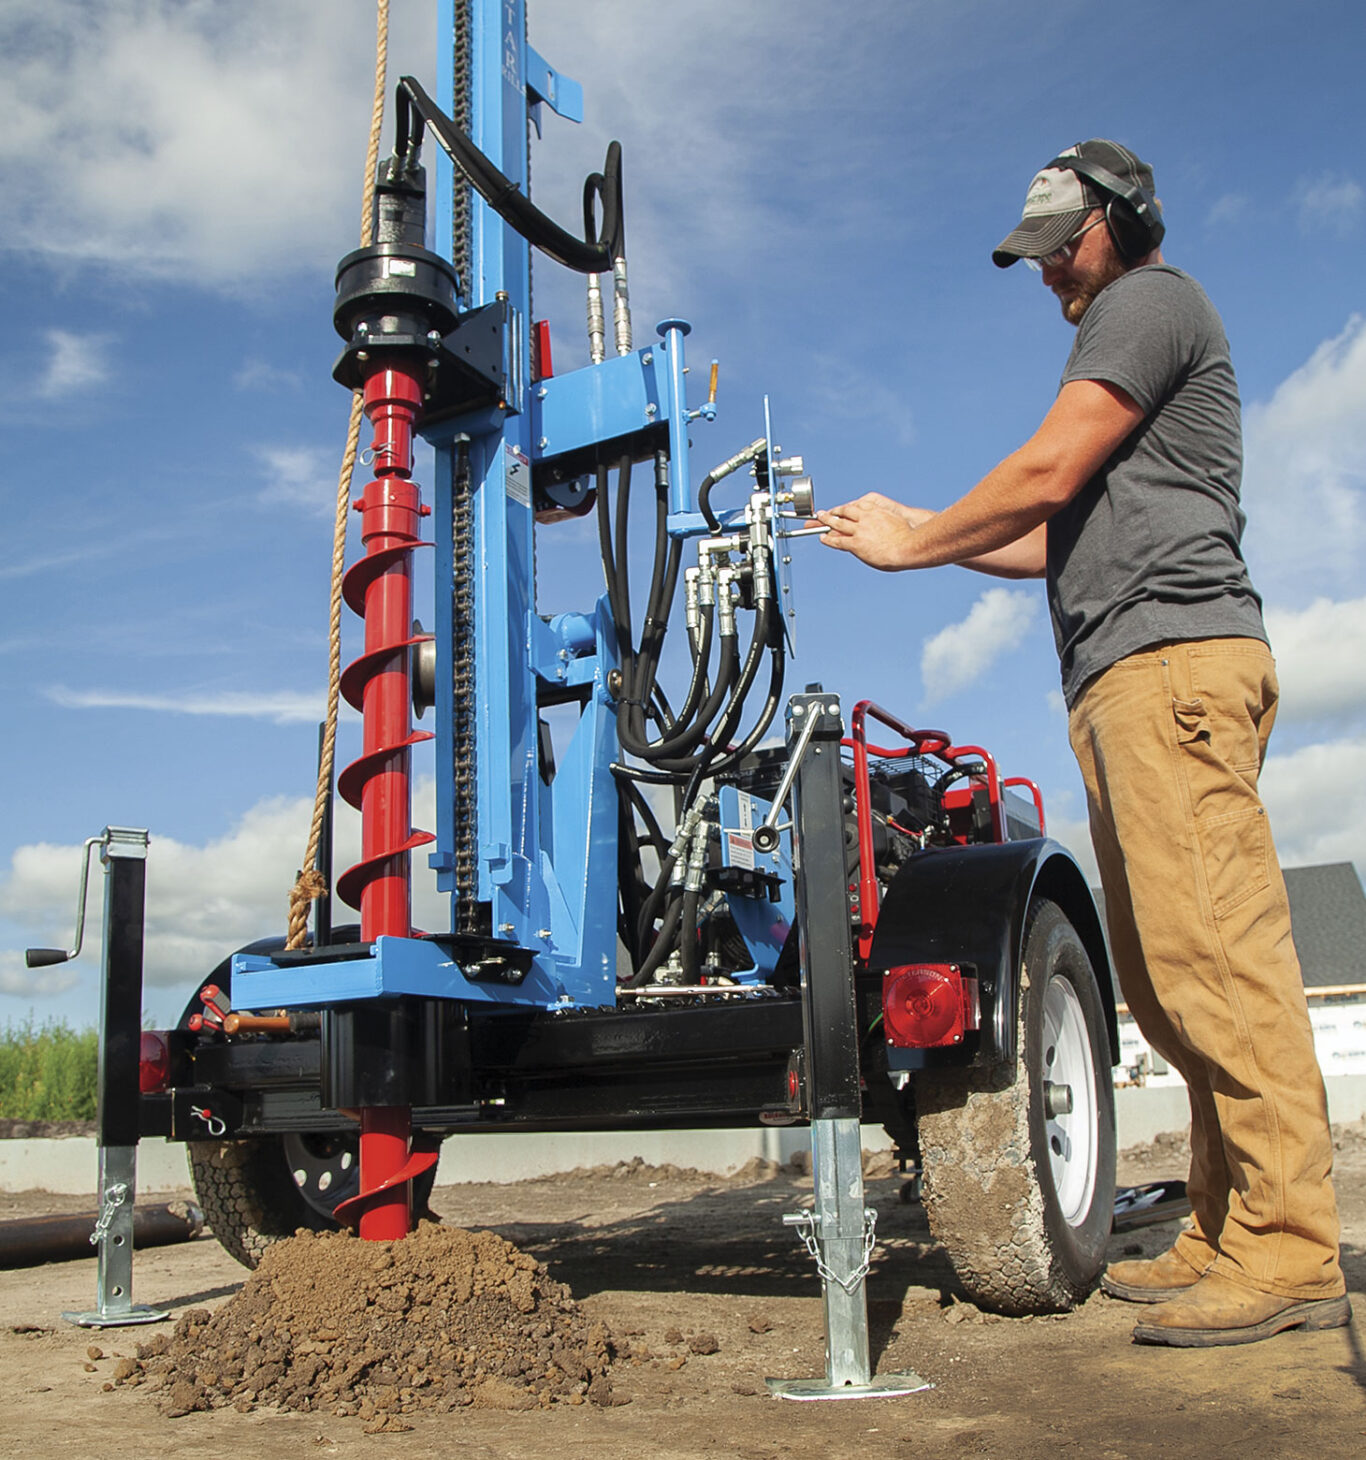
664, 1258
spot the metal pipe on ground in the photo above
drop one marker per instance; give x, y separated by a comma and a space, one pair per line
30, 1240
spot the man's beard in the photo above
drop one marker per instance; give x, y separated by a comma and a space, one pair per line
1106, 273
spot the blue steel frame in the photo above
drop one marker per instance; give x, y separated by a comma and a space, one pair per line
547, 855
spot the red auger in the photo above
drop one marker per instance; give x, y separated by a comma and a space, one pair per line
379, 587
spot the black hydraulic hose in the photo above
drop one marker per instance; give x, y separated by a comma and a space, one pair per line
504, 196
605, 189
757, 645
754, 452
663, 584
620, 612
638, 687
644, 688
743, 684
654, 900
662, 590
653, 834
773, 699
624, 629
687, 937
661, 710
643, 774
631, 885
698, 685
727, 673
670, 755
640, 666
664, 944
704, 502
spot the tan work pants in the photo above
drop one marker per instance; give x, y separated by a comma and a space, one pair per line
1170, 742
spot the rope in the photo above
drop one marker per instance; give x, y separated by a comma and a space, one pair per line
311, 883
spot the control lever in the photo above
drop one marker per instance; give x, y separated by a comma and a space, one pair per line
765, 835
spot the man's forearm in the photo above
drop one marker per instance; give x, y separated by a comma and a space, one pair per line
1026, 557
1006, 507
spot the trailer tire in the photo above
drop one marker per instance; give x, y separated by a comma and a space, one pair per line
249, 1195
252, 1198
1020, 1197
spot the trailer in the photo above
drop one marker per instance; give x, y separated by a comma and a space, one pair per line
703, 904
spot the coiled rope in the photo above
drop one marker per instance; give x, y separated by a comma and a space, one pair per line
311, 883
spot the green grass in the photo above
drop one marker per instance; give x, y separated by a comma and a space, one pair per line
47, 1072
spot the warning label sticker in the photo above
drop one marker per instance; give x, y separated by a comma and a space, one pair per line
518, 476
740, 849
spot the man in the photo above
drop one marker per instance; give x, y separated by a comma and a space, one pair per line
1126, 500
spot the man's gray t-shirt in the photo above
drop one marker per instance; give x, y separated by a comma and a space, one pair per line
1149, 550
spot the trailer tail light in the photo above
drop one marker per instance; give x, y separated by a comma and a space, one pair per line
154, 1063
928, 1005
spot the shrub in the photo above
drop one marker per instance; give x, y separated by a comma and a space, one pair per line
48, 1072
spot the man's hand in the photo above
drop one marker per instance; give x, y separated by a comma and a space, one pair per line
875, 529
914, 515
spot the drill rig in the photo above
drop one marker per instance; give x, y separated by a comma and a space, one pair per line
644, 913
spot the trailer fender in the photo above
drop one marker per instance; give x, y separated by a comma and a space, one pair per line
968, 905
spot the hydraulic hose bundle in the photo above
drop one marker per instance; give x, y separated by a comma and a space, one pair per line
683, 748
695, 741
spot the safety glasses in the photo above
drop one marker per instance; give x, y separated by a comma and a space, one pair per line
1067, 252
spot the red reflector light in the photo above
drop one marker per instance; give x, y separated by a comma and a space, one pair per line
154, 1063
923, 1005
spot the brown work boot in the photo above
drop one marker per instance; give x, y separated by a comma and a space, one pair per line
1150, 1279
1219, 1311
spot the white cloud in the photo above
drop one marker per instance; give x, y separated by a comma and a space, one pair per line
63, 558
1316, 797
1228, 208
1075, 834
1320, 658
222, 144
1330, 202
960, 654
300, 476
852, 394
1306, 470
284, 707
203, 902
262, 375
727, 192
74, 363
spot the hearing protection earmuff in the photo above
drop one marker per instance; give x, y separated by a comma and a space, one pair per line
1132, 216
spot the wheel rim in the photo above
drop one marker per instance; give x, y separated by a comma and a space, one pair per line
1073, 1136
324, 1167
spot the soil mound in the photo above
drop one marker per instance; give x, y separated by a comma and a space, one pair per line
442, 1319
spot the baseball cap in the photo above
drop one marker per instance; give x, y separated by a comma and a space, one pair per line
1058, 200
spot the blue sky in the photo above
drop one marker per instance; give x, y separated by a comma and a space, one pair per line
816, 187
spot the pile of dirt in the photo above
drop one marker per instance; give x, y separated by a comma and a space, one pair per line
440, 1320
